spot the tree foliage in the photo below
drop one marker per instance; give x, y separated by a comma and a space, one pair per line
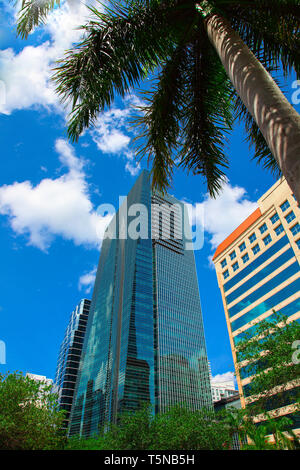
29, 416
191, 104
268, 358
178, 428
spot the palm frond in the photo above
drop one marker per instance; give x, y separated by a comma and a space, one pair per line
207, 116
119, 49
159, 124
33, 13
271, 30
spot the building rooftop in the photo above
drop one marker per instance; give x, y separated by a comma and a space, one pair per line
237, 232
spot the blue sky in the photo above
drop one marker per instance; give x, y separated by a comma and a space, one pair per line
50, 191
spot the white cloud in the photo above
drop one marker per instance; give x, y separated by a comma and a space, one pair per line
87, 280
54, 207
68, 157
132, 169
111, 141
223, 214
225, 377
27, 73
110, 132
132, 166
26, 79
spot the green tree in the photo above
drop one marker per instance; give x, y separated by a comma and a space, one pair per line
29, 416
178, 428
271, 434
270, 358
204, 55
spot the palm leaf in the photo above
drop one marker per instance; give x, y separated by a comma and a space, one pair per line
119, 49
271, 31
33, 13
207, 116
159, 124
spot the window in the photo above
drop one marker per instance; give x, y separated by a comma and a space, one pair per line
291, 216
256, 262
274, 218
279, 229
225, 274
242, 246
267, 239
255, 249
298, 243
263, 228
285, 206
252, 238
235, 266
295, 229
245, 258
232, 255
267, 304
223, 263
262, 273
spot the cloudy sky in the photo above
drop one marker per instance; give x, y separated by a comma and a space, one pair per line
50, 191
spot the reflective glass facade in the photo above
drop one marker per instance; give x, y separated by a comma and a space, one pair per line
69, 357
145, 340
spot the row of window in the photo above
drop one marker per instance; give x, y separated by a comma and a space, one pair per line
245, 257
263, 228
266, 305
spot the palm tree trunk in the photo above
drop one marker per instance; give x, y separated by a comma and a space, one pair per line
277, 119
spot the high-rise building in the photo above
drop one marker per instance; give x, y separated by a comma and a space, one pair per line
221, 387
145, 339
222, 390
40, 378
69, 357
258, 272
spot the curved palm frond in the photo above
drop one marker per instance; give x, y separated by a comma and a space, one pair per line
271, 31
33, 13
160, 121
189, 111
207, 115
119, 50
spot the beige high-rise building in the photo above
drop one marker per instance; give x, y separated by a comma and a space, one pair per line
258, 270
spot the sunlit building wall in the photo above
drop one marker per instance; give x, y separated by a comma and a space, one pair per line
145, 339
258, 272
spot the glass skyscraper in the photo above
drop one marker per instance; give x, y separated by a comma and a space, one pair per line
145, 339
69, 357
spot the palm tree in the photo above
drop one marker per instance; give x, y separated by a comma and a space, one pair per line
210, 61
33, 13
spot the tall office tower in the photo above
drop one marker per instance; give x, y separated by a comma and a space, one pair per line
69, 357
145, 339
257, 268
